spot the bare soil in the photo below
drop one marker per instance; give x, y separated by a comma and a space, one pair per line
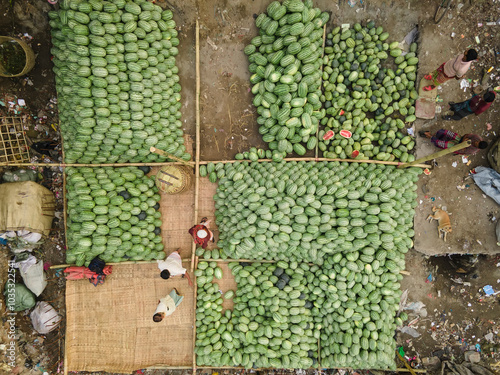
458, 315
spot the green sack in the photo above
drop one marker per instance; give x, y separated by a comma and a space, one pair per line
18, 298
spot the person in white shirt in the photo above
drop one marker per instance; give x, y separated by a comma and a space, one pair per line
172, 266
167, 305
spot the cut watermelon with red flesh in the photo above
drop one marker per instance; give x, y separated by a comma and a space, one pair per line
345, 133
355, 154
329, 134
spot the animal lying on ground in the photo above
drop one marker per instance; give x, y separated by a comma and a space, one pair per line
443, 219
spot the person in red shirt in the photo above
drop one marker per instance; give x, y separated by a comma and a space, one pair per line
446, 138
201, 234
476, 105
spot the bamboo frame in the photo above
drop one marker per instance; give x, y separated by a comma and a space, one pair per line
197, 185
308, 159
7, 138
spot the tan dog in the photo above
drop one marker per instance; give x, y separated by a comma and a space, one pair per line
444, 224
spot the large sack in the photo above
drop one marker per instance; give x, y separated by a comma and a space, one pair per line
26, 205
34, 277
45, 318
18, 299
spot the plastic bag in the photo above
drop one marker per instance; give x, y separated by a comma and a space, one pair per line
32, 237
34, 277
45, 318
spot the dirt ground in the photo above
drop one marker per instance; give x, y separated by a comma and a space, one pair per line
458, 315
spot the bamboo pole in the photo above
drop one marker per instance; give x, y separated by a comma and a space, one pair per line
197, 159
57, 165
408, 367
116, 263
203, 162
438, 154
170, 156
316, 149
65, 206
197, 184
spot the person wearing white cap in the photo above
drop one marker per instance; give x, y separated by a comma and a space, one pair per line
201, 234
172, 266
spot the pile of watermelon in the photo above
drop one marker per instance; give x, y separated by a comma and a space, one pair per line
368, 104
112, 213
338, 233
294, 315
285, 61
361, 101
117, 81
307, 211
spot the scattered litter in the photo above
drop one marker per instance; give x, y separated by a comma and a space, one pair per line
464, 84
465, 160
488, 126
488, 289
454, 164
212, 44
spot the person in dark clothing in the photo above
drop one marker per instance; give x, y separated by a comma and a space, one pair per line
476, 104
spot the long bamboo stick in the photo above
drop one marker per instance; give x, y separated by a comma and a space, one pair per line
197, 184
204, 162
438, 154
198, 148
316, 149
170, 156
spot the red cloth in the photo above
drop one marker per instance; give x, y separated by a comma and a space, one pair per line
77, 273
478, 105
203, 242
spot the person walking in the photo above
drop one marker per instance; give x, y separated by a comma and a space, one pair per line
446, 138
172, 266
201, 234
167, 305
453, 68
476, 104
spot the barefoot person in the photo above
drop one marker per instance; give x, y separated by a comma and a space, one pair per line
201, 234
167, 305
446, 138
454, 68
172, 266
476, 104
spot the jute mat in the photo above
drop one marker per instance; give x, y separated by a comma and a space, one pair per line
110, 327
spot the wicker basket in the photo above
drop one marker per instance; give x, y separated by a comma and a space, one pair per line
30, 57
174, 179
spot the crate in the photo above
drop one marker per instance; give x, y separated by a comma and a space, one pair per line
13, 146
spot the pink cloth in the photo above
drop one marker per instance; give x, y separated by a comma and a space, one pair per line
456, 67
77, 273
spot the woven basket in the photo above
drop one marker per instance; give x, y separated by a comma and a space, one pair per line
30, 57
174, 179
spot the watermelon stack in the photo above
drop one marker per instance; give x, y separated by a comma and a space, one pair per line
285, 61
369, 92
112, 213
117, 81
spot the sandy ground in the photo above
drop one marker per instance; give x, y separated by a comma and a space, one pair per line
228, 126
